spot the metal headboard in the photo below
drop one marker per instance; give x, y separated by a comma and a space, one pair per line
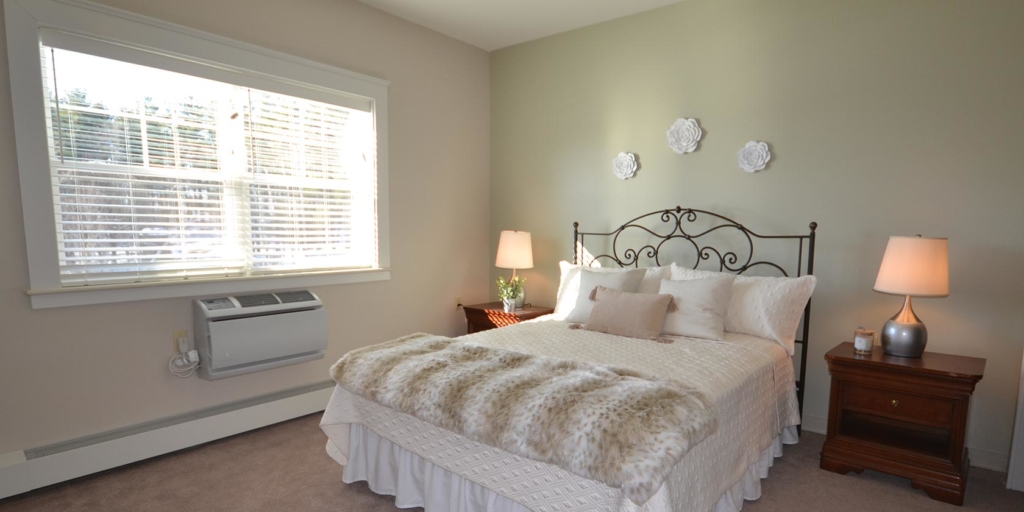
728, 260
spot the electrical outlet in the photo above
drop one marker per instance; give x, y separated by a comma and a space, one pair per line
177, 335
458, 302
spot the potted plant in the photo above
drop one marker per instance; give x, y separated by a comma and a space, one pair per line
510, 292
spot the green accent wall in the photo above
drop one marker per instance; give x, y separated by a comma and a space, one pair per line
884, 118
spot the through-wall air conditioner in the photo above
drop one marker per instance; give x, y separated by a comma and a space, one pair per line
249, 333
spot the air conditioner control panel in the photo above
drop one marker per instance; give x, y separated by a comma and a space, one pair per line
215, 304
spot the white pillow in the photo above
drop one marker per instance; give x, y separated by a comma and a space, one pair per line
651, 282
700, 306
627, 281
766, 307
569, 284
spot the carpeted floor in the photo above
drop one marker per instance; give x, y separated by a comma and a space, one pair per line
284, 468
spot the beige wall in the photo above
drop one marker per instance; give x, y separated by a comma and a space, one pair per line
884, 117
73, 371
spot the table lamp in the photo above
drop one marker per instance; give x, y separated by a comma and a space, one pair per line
912, 266
515, 250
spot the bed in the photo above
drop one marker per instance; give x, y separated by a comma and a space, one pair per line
753, 383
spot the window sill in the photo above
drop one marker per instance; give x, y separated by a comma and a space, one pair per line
103, 294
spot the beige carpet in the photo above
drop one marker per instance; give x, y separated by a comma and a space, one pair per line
284, 468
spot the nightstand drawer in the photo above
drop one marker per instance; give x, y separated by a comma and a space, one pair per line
895, 404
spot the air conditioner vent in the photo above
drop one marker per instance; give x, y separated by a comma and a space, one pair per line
262, 299
298, 296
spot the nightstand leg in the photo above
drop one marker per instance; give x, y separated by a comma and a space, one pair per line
945, 494
953, 495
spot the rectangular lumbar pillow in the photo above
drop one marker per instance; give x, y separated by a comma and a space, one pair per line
569, 284
627, 281
766, 307
700, 306
634, 315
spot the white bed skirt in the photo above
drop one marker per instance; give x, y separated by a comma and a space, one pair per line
416, 482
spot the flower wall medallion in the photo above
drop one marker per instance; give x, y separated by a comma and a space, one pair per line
684, 135
754, 156
624, 166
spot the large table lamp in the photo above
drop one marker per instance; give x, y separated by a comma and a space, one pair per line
913, 266
515, 251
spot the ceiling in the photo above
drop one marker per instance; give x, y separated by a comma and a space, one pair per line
494, 24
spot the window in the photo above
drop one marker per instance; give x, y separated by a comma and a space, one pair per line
160, 176
168, 162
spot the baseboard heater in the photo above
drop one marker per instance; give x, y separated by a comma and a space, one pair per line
170, 421
66, 460
249, 333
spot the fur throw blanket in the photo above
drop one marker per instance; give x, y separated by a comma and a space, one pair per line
604, 423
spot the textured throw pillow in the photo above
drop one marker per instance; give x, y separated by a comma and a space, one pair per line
685, 274
569, 284
627, 281
700, 306
766, 307
634, 315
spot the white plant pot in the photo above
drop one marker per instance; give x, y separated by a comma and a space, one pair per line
509, 304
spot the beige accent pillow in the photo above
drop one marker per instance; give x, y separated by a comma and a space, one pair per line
634, 315
700, 307
627, 281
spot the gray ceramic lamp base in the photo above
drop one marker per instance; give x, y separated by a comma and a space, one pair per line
904, 335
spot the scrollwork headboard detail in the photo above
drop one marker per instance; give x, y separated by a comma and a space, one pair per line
677, 220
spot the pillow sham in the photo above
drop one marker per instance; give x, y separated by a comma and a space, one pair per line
569, 284
634, 315
653, 277
700, 307
766, 307
627, 281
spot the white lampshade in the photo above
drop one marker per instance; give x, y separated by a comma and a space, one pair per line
515, 250
915, 266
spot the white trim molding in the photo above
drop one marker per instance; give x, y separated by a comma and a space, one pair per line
815, 424
139, 38
988, 459
23, 475
103, 294
1015, 464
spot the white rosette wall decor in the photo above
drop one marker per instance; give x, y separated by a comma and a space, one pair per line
684, 135
754, 156
625, 165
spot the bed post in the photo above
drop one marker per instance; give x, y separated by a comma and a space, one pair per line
807, 328
575, 240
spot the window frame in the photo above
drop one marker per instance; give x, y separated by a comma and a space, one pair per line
245, 63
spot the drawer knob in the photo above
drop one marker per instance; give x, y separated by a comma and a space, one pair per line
895, 403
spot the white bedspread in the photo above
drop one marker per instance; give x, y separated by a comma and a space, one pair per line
749, 379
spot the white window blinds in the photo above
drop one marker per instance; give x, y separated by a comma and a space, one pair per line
161, 176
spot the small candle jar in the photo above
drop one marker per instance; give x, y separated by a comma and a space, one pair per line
863, 340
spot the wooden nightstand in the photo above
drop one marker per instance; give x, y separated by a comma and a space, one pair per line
902, 416
481, 317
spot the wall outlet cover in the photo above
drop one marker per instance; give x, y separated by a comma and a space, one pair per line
176, 336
